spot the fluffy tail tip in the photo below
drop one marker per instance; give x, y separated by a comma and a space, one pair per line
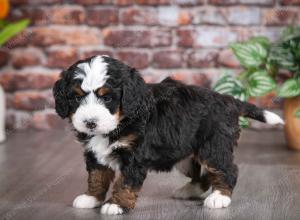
272, 119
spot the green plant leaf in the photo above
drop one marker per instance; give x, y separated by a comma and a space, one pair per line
2, 24
271, 68
12, 29
230, 85
290, 88
290, 33
244, 122
264, 41
297, 114
250, 54
283, 57
260, 83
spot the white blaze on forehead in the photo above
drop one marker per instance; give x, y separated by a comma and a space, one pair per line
95, 74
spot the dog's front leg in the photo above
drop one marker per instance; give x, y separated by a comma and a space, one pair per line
99, 179
125, 191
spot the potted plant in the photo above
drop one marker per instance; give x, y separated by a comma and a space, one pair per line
286, 55
7, 31
262, 63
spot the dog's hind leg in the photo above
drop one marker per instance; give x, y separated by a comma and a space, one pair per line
199, 184
222, 173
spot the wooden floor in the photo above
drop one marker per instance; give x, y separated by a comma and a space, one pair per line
42, 172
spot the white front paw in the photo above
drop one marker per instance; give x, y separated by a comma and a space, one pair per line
86, 202
216, 200
111, 209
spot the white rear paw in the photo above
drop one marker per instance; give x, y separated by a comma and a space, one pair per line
188, 191
86, 202
216, 200
111, 209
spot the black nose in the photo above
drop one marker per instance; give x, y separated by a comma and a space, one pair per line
90, 124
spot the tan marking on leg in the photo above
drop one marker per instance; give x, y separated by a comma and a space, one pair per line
204, 179
99, 181
216, 179
122, 195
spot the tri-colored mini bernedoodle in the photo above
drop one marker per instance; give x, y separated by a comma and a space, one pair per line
128, 127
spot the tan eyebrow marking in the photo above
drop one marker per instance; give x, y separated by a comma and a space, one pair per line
78, 90
103, 91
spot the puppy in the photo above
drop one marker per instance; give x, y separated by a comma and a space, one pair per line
129, 126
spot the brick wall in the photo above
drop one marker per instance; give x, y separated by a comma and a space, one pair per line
187, 39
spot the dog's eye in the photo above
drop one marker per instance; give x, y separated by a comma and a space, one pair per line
78, 98
107, 98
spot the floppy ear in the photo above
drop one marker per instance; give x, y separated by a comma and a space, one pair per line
136, 99
61, 103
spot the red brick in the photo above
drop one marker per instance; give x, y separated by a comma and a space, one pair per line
124, 2
185, 38
184, 18
258, 2
19, 40
34, 2
47, 120
280, 16
92, 2
102, 16
61, 57
189, 2
191, 78
168, 15
135, 38
31, 100
37, 15
273, 33
12, 80
152, 2
134, 16
143, 2
45, 36
201, 79
85, 53
125, 38
67, 15
161, 37
26, 57
243, 15
4, 56
210, 15
134, 59
222, 2
173, 16
215, 37
203, 58
290, 2
227, 58
167, 59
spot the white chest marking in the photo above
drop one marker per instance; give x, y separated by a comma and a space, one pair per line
99, 145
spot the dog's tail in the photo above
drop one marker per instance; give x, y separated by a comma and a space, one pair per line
252, 111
